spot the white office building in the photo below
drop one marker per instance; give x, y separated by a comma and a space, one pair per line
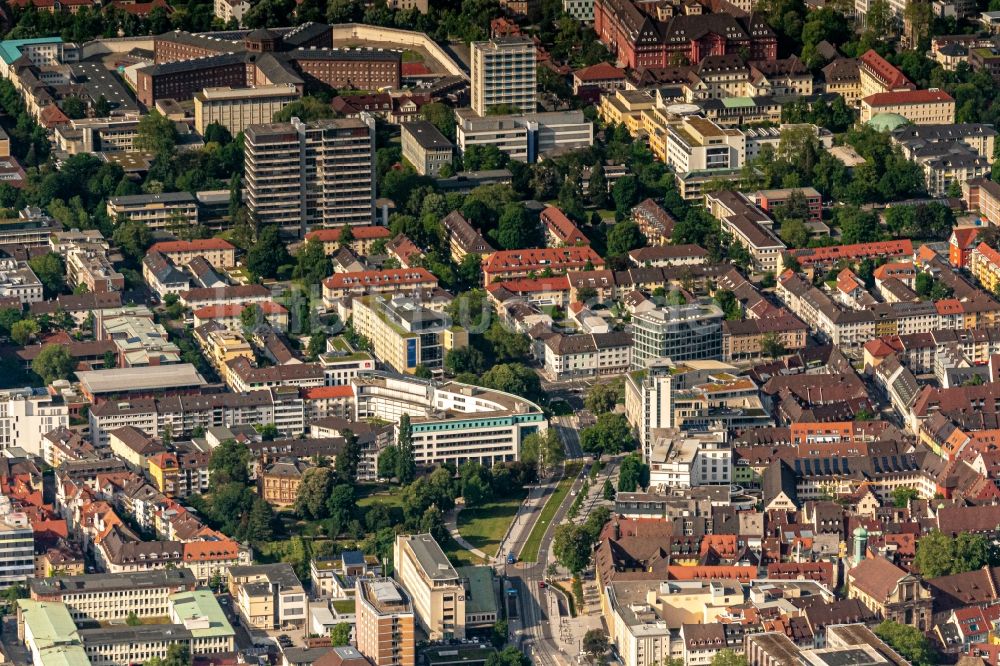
503, 73
680, 333
26, 415
17, 546
698, 144
524, 136
668, 396
451, 422
581, 10
435, 587
685, 460
320, 173
17, 280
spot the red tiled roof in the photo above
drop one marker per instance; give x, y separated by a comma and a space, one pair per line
856, 251
395, 276
876, 576
415, 69
976, 519
926, 253
847, 281
965, 236
556, 258
949, 306
234, 310
199, 244
326, 392
161, 459
562, 227
57, 527
884, 70
907, 97
204, 551
991, 255
231, 292
52, 115
895, 269
884, 346
404, 249
602, 71
905, 543
141, 8
712, 573
526, 285
723, 544
372, 232
818, 571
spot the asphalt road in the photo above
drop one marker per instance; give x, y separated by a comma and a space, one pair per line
568, 428
534, 631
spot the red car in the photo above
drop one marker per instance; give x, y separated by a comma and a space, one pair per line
541, 584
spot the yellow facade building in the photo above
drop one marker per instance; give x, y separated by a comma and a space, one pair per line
406, 335
625, 107
984, 263
920, 107
435, 587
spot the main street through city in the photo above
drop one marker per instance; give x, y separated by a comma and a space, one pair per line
536, 628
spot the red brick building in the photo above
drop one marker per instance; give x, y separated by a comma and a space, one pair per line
640, 40
179, 45
361, 69
181, 79
185, 63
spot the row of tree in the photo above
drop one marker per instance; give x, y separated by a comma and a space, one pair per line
573, 544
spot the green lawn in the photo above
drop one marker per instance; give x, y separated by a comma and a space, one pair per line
530, 551
457, 555
343, 605
372, 493
484, 526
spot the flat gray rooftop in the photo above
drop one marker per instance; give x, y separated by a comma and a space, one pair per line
123, 380
111, 582
98, 80
431, 558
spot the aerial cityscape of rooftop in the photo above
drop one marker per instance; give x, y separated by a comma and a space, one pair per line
499, 332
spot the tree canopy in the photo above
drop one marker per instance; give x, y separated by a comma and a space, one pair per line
909, 642
268, 254
53, 362
604, 396
633, 474
941, 555
229, 463
610, 435
156, 133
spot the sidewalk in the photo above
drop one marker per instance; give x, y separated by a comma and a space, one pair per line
530, 510
451, 522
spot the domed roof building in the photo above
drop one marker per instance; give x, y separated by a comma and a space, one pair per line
887, 122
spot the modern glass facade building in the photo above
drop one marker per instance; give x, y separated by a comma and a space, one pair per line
680, 333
